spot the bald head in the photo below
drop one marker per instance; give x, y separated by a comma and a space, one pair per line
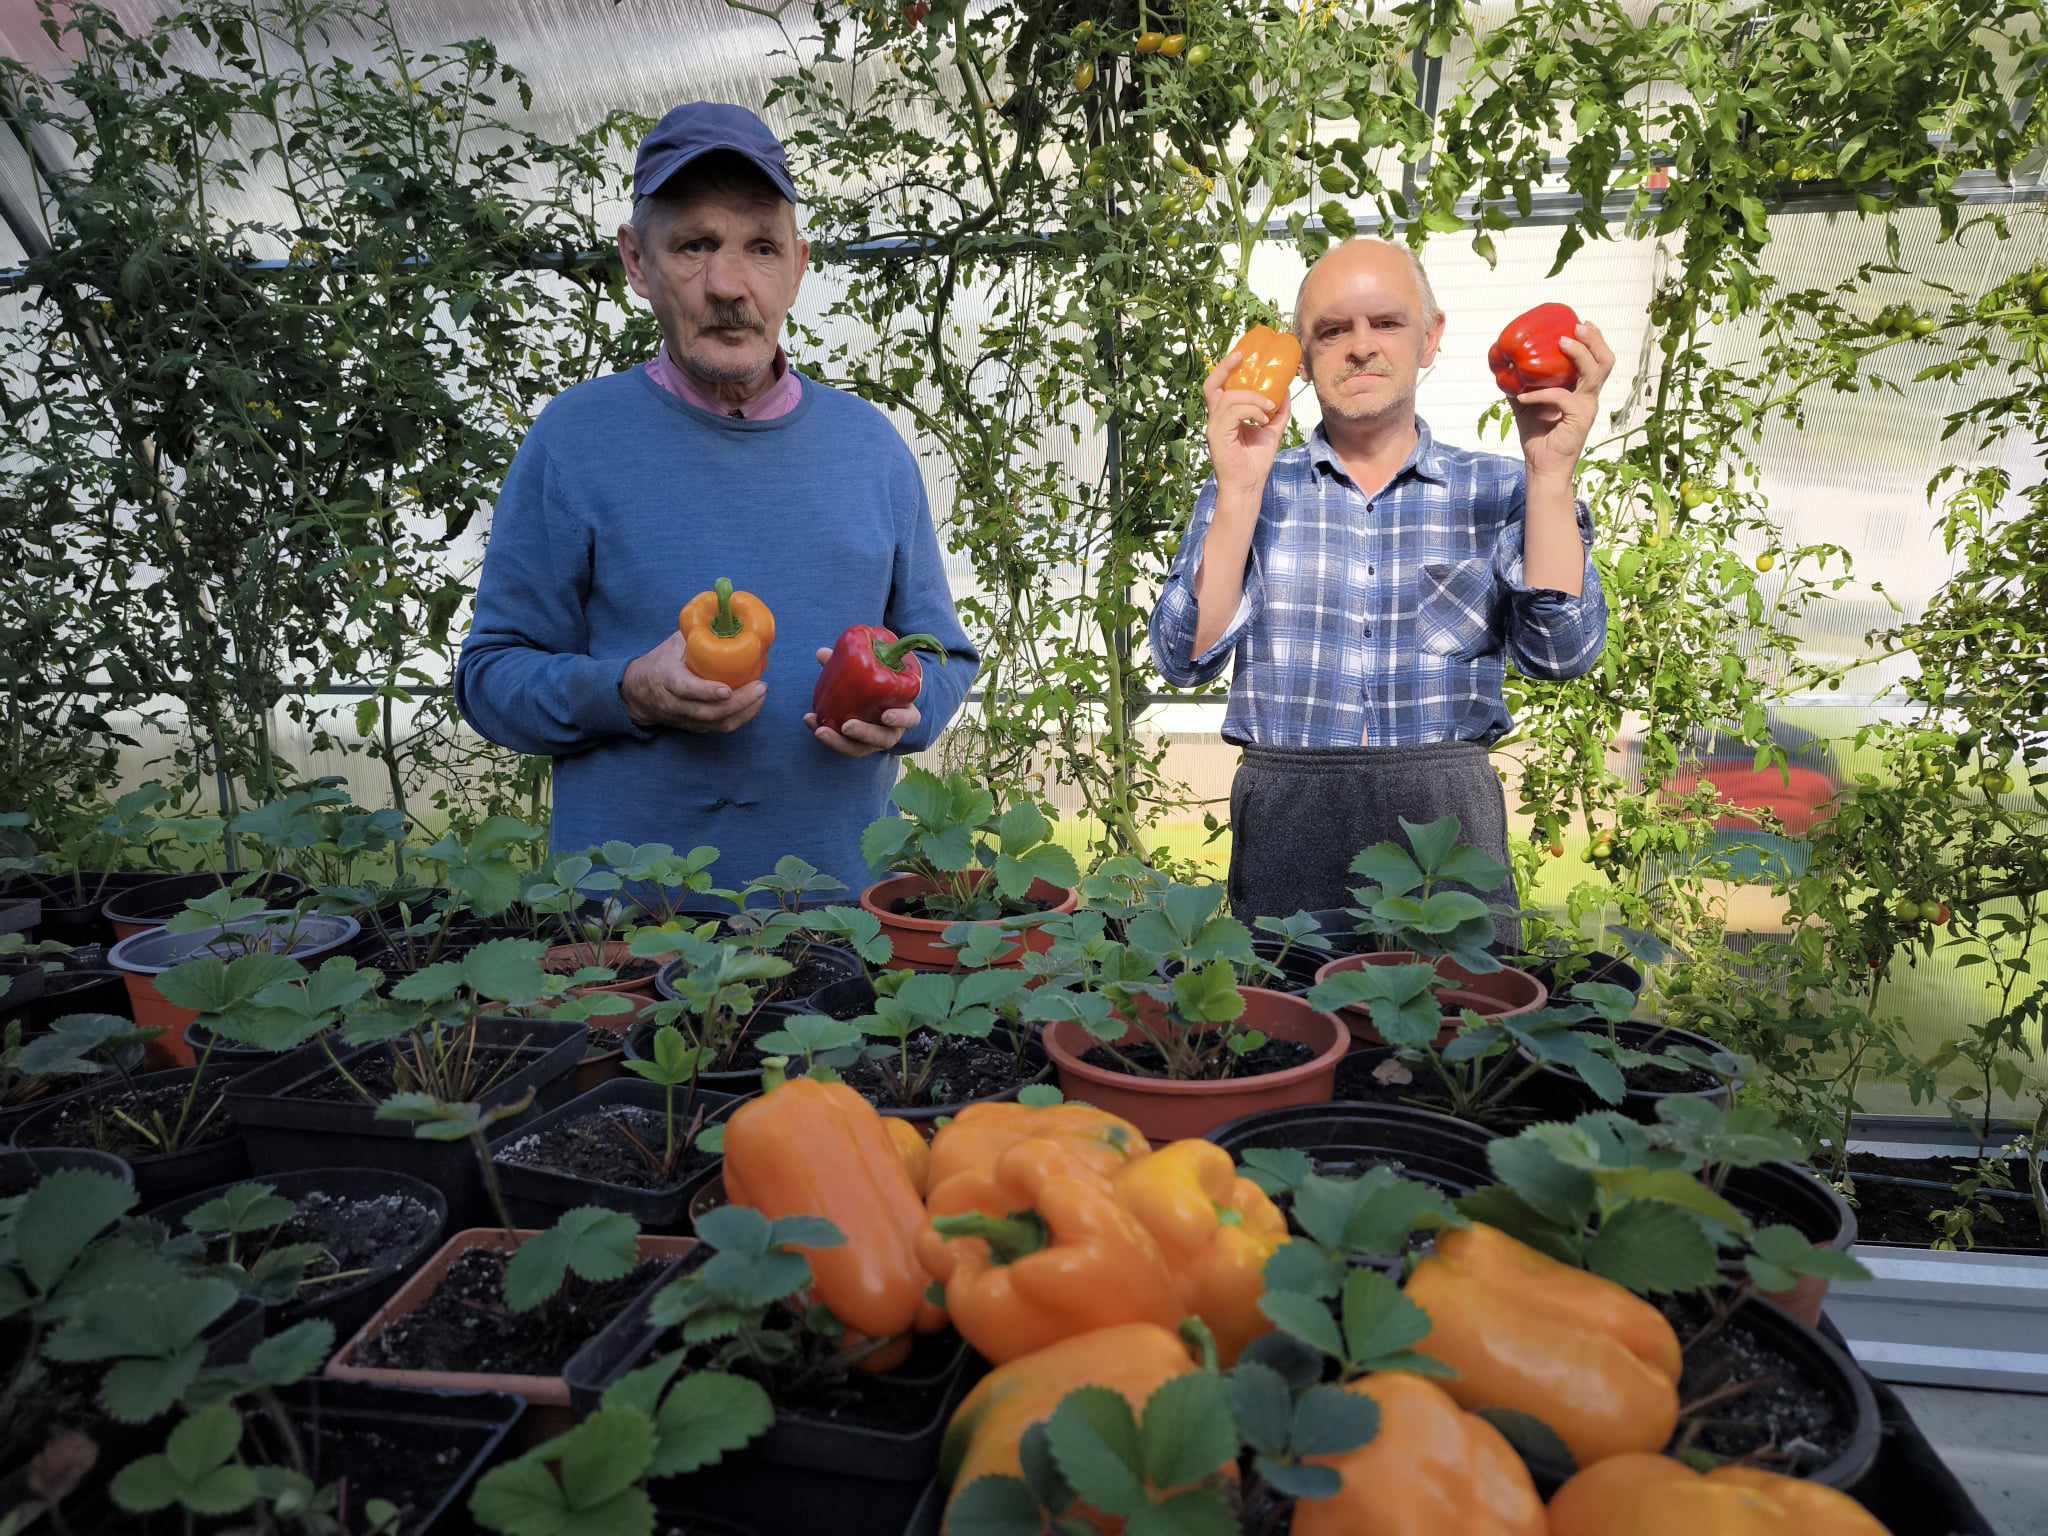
1368, 325
1382, 255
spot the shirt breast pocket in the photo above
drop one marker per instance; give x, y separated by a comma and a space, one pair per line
1459, 617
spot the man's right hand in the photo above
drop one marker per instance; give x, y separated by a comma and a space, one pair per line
661, 690
1244, 431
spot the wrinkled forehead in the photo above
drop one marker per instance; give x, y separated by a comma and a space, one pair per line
1355, 290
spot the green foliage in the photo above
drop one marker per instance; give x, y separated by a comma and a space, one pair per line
590, 1242
981, 865
746, 1300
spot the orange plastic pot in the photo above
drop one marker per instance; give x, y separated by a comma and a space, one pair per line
917, 939
614, 954
147, 955
547, 1397
1496, 995
1166, 1109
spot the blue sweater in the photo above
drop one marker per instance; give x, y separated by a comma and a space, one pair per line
625, 501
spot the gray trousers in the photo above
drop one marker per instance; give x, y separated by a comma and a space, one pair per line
1300, 815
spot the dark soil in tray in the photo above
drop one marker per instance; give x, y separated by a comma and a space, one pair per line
371, 1463
966, 1070
370, 1233
1942, 1170
1890, 1213
901, 1401
1366, 1078
1273, 1056
92, 1121
378, 1074
466, 1326
1785, 1412
1655, 1079
597, 1146
632, 969
811, 972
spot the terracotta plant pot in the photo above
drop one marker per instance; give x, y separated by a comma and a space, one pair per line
149, 954
917, 938
1786, 1192
1167, 1110
1495, 996
615, 954
547, 1397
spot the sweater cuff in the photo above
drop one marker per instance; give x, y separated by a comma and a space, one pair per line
602, 710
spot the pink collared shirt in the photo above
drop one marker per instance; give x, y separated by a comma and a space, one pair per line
778, 399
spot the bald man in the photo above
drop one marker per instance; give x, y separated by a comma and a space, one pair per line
1370, 587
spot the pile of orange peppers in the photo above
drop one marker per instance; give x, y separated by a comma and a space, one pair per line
1069, 1252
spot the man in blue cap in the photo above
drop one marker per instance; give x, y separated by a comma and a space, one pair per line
634, 492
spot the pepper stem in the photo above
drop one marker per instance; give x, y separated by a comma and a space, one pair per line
1009, 1238
890, 653
774, 1072
1196, 1335
727, 624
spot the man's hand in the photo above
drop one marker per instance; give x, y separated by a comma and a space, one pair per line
1244, 431
859, 738
1555, 423
661, 690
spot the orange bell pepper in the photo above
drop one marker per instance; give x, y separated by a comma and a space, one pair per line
1432, 1470
981, 1133
1267, 361
1627, 1494
1038, 1250
988, 1427
1216, 1231
1597, 1364
915, 1151
807, 1148
726, 635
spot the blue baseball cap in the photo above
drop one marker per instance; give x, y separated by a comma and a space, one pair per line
704, 127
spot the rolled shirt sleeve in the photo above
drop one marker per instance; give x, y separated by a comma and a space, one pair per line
1550, 634
1178, 611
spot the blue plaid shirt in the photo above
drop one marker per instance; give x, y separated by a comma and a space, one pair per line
1383, 622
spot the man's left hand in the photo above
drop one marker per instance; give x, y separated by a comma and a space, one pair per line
861, 738
1555, 423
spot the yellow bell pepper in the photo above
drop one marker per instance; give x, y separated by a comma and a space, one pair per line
1216, 1231
807, 1148
1432, 1470
1039, 1250
981, 1133
915, 1151
986, 1430
1624, 1495
1597, 1364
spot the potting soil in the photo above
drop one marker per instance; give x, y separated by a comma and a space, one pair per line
597, 1146
966, 1070
91, 1121
1904, 1214
377, 1073
1786, 1411
370, 1233
465, 1325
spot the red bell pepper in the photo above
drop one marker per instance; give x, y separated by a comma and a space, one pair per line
1527, 355
870, 671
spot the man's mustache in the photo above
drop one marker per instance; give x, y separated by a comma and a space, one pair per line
1371, 373
729, 317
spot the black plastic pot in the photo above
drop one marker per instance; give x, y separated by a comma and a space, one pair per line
827, 957
286, 1133
474, 1423
22, 1168
1435, 1148
68, 992
843, 1000
1818, 1360
1569, 1096
62, 1090
1341, 928
162, 1177
201, 1041
164, 897
867, 1480
1033, 1052
538, 1196
72, 902
1615, 970
1533, 1100
348, 1305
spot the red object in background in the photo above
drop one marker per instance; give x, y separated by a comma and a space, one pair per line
1527, 355
1799, 797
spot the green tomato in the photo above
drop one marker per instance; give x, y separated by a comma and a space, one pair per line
1906, 909
1930, 911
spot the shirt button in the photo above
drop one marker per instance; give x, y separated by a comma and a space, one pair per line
1368, 570
1368, 631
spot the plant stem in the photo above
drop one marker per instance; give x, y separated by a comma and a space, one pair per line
1009, 1238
